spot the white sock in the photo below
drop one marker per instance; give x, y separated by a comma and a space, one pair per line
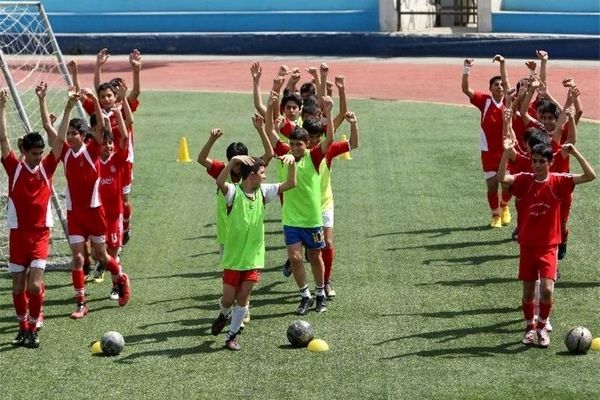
304, 292
237, 317
224, 310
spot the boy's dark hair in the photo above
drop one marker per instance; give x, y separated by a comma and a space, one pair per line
543, 150
309, 88
80, 126
545, 106
495, 78
116, 82
246, 170
295, 97
300, 134
236, 149
533, 136
107, 135
33, 140
310, 109
313, 126
109, 86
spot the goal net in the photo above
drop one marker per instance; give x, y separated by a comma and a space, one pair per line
29, 54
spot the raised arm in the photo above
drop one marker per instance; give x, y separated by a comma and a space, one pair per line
353, 121
4, 142
135, 60
588, 172
337, 121
203, 159
503, 72
314, 72
127, 114
574, 93
277, 84
543, 57
259, 125
222, 178
269, 123
527, 100
101, 59
503, 176
99, 128
323, 72
256, 72
508, 135
57, 146
327, 108
290, 183
121, 124
74, 71
40, 91
466, 89
293, 81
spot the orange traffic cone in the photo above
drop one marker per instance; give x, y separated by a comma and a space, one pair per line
346, 155
183, 156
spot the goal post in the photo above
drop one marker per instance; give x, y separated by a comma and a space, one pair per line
29, 54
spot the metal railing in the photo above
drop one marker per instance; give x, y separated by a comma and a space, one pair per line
464, 12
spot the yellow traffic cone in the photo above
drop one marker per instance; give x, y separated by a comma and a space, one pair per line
346, 155
183, 156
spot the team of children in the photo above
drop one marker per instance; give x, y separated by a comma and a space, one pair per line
526, 143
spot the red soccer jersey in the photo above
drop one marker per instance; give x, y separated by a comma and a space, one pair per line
538, 207
29, 192
215, 168
491, 122
82, 171
110, 183
316, 154
522, 163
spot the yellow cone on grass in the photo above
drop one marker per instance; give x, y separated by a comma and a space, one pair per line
596, 344
183, 155
318, 345
346, 155
95, 348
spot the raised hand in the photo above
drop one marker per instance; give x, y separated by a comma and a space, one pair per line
295, 77
3, 97
568, 147
568, 82
273, 97
469, 62
283, 70
532, 65
339, 81
324, 70
542, 54
86, 92
135, 59
287, 159
327, 105
216, 133
41, 90
329, 88
313, 71
122, 91
102, 57
278, 82
243, 160
72, 67
256, 71
258, 121
350, 117
498, 58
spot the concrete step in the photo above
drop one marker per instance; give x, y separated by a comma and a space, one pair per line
546, 22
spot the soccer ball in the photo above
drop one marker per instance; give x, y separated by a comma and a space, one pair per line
300, 333
112, 343
578, 340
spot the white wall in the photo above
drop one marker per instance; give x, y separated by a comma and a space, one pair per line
484, 14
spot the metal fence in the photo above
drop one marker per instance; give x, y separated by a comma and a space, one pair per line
464, 12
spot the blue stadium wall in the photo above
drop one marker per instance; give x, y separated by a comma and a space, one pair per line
278, 27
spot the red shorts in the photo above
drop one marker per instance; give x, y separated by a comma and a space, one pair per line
114, 232
537, 262
490, 161
235, 278
126, 177
82, 224
28, 247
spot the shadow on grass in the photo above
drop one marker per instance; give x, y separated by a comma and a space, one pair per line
203, 348
452, 314
455, 334
473, 260
194, 275
468, 352
471, 282
576, 285
436, 232
201, 237
204, 254
452, 246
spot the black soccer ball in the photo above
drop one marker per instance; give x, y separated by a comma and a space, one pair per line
578, 340
300, 333
112, 343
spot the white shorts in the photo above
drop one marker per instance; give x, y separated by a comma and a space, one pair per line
327, 218
15, 268
489, 174
74, 239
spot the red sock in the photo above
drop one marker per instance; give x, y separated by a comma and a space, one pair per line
528, 313
35, 307
493, 202
506, 196
20, 303
113, 266
328, 254
79, 284
126, 216
544, 314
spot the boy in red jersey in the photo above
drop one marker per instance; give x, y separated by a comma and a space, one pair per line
85, 214
491, 107
29, 218
539, 196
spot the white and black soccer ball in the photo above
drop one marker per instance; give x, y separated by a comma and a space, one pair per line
300, 333
578, 340
112, 343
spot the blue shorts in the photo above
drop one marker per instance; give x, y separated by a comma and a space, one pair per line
311, 238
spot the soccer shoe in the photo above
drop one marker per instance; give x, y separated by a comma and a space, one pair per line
114, 293
232, 344
98, 273
321, 304
31, 340
548, 325
21, 338
124, 289
81, 311
543, 338
329, 291
305, 304
505, 215
218, 324
246, 317
287, 269
496, 222
562, 250
529, 338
